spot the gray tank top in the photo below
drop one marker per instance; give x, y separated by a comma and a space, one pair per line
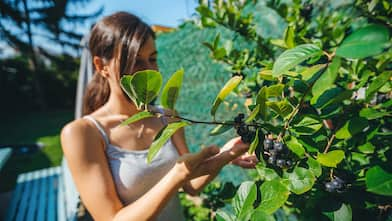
133, 177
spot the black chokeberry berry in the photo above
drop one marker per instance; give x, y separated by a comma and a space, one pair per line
268, 144
272, 159
289, 163
278, 146
242, 130
280, 163
330, 187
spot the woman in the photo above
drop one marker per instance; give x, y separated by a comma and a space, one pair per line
107, 162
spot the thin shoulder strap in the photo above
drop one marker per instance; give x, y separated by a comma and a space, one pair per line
163, 118
99, 127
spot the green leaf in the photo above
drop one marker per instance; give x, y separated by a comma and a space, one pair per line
266, 75
330, 159
253, 114
292, 57
308, 72
314, 166
261, 100
379, 181
254, 143
229, 86
364, 42
275, 90
273, 195
308, 125
244, 199
295, 146
283, 107
343, 214
377, 84
327, 79
171, 90
136, 117
266, 173
300, 180
125, 83
367, 148
222, 215
289, 37
351, 127
259, 215
163, 137
143, 86
371, 114
220, 129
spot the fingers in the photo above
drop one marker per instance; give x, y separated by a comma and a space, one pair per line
246, 161
208, 152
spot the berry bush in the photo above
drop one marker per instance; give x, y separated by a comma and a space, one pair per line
319, 106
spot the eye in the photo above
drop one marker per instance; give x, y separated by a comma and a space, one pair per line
153, 59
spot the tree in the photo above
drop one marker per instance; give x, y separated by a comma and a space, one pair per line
22, 21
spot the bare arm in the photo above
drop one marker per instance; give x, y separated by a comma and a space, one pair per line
84, 150
227, 154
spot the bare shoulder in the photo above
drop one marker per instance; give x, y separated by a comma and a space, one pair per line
78, 136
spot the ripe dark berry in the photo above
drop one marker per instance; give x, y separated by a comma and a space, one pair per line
273, 152
280, 163
330, 187
242, 130
289, 163
278, 146
238, 119
268, 144
272, 159
337, 184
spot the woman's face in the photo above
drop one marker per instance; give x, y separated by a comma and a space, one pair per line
146, 57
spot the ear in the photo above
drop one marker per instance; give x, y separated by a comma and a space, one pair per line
100, 66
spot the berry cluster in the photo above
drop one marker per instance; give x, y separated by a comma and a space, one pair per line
335, 185
277, 153
243, 130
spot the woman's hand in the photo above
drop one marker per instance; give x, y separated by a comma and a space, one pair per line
238, 148
192, 165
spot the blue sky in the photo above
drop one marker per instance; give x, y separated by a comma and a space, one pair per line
154, 12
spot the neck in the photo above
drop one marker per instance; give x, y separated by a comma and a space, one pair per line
119, 104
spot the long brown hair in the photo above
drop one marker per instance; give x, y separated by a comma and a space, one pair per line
118, 36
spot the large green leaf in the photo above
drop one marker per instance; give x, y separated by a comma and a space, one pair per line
171, 90
254, 143
308, 125
308, 72
137, 117
266, 173
253, 114
229, 86
273, 195
379, 181
377, 83
295, 146
371, 114
261, 100
142, 87
364, 42
125, 83
221, 128
351, 127
344, 213
326, 80
300, 180
314, 166
222, 215
292, 57
244, 199
163, 137
330, 159
283, 107
275, 90
259, 215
